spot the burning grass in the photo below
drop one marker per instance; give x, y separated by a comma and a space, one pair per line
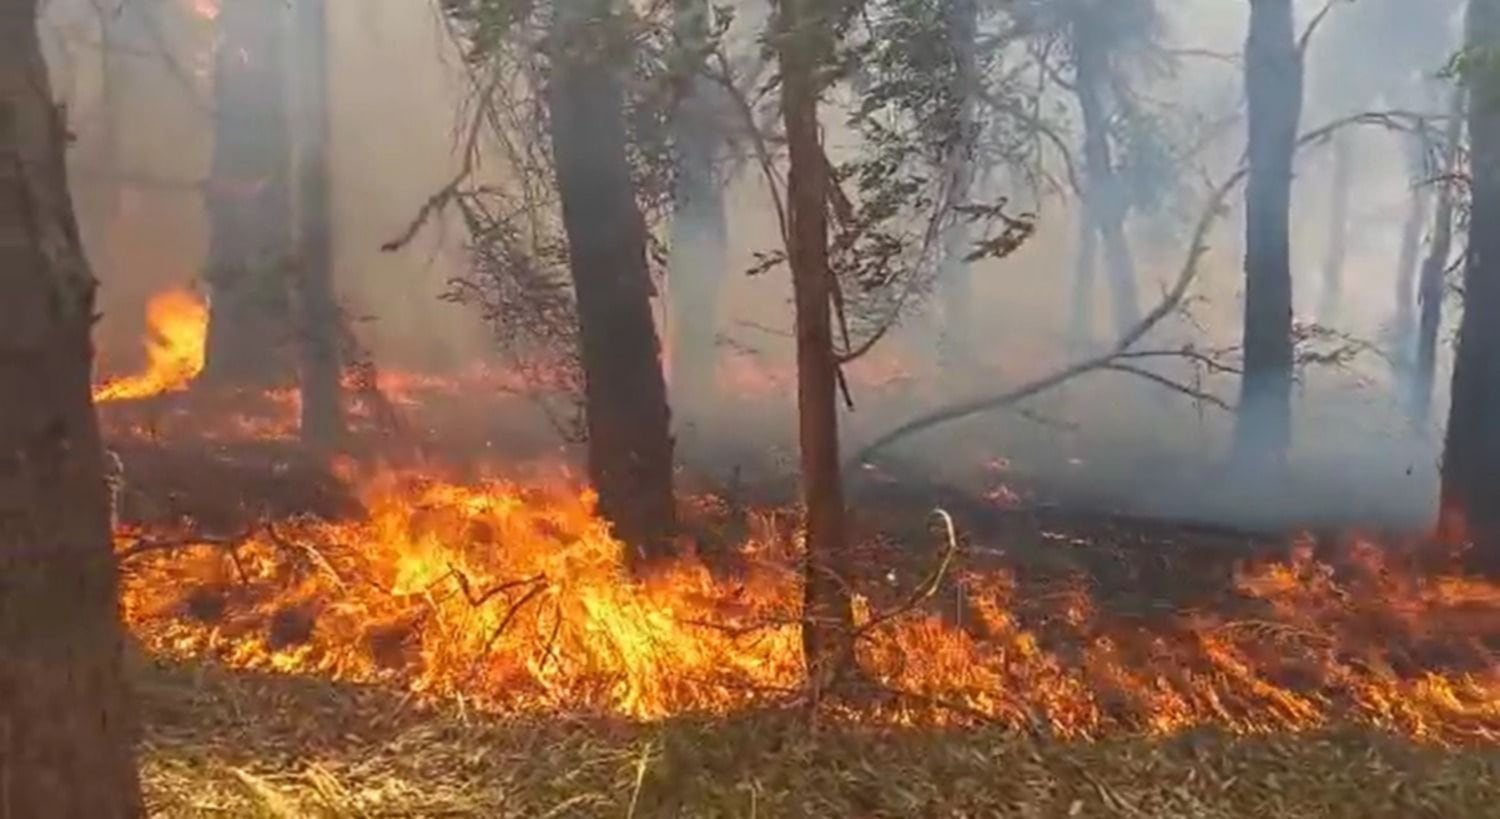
515, 599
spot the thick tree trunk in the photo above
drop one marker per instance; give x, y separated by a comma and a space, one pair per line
66, 733
630, 444
1433, 284
1273, 86
827, 609
1337, 250
1105, 195
956, 340
318, 315
249, 199
699, 242
1471, 466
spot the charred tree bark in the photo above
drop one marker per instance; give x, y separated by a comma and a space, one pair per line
1273, 86
318, 315
1337, 251
66, 730
827, 629
1432, 286
1471, 466
630, 444
249, 199
956, 341
699, 240
1106, 202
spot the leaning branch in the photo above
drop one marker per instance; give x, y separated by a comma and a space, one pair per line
1109, 359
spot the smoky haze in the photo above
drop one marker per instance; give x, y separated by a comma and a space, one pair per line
1108, 440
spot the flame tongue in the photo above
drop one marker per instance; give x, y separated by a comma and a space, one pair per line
178, 330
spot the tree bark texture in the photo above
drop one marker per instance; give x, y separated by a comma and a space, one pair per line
630, 443
1273, 86
699, 240
1471, 466
318, 314
827, 610
66, 731
249, 199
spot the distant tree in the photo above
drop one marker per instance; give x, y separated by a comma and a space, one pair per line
698, 245
1273, 87
249, 198
66, 730
318, 319
1471, 479
1432, 287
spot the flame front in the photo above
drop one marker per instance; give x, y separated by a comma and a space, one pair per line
518, 599
177, 322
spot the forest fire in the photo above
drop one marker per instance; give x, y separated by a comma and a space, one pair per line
517, 599
177, 331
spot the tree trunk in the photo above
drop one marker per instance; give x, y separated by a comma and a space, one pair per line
249, 199
699, 242
318, 314
66, 731
1418, 212
827, 610
1085, 273
1471, 478
956, 341
1433, 284
1104, 193
1273, 86
630, 444
1338, 228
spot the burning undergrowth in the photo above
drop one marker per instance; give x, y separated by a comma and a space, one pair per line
514, 597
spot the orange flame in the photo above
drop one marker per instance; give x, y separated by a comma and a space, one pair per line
178, 331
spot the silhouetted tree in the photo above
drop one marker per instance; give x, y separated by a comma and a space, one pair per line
66, 731
1273, 87
1432, 286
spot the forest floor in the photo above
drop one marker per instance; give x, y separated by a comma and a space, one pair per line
222, 743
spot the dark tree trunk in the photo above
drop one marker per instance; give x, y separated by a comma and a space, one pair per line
249, 199
956, 341
1273, 86
1433, 283
827, 609
318, 315
66, 731
630, 444
1471, 466
699, 240
1104, 192
1338, 228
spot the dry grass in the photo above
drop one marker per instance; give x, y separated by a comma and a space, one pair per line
230, 744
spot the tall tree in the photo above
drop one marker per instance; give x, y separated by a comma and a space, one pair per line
1337, 251
1433, 285
1095, 30
1273, 87
249, 197
65, 726
318, 331
961, 18
804, 38
629, 440
1471, 481
699, 239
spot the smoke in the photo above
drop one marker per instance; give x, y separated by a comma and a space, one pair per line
1110, 440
